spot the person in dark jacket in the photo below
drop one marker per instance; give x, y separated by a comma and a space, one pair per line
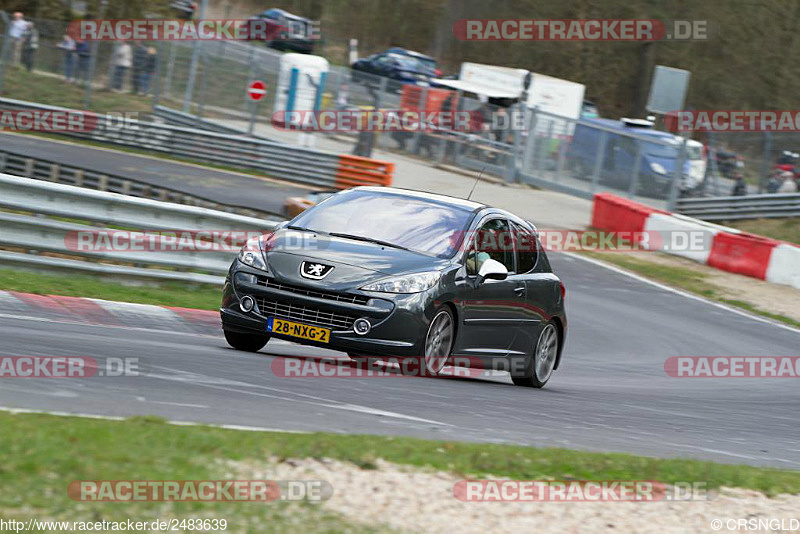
149, 71
84, 54
139, 63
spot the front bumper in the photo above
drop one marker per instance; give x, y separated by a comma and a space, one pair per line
398, 322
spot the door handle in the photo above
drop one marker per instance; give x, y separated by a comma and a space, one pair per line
520, 291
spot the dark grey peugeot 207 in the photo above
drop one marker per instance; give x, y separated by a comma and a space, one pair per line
382, 272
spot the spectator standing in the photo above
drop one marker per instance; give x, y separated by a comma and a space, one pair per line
16, 31
122, 61
739, 187
67, 44
149, 71
139, 63
30, 44
83, 52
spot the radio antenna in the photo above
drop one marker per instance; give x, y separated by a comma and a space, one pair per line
476, 183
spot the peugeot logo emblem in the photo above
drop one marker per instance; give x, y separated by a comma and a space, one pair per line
315, 271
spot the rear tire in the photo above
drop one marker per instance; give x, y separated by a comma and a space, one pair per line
246, 342
540, 366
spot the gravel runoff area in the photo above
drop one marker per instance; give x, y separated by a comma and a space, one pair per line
408, 499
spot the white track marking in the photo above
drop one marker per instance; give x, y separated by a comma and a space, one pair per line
681, 292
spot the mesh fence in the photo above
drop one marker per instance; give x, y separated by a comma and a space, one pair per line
209, 79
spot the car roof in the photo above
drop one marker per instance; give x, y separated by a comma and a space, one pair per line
405, 52
442, 199
285, 14
621, 127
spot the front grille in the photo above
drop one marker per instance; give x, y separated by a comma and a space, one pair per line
338, 297
304, 314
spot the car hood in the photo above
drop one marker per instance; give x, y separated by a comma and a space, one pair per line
353, 261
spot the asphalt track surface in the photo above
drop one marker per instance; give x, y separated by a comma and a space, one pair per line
210, 184
611, 393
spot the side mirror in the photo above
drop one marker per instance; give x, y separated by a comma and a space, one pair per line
491, 270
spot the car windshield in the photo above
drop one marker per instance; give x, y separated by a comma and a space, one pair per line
420, 225
415, 64
660, 151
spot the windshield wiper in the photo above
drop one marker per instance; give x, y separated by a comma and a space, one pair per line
303, 229
368, 240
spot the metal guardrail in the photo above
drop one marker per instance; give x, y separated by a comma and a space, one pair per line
277, 160
52, 171
187, 120
743, 207
39, 229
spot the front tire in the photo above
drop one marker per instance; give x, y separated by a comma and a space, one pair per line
439, 341
245, 342
540, 366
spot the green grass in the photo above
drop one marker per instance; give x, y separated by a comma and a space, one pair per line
783, 229
41, 454
684, 278
54, 91
200, 296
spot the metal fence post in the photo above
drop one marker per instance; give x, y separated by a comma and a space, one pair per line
250, 78
766, 163
170, 70
201, 98
599, 160
422, 106
4, 51
675, 190
87, 97
636, 169
189, 94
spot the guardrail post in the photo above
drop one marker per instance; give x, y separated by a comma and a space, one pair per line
79, 178
102, 183
29, 163
55, 172
3, 161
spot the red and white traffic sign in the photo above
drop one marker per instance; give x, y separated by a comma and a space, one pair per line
257, 90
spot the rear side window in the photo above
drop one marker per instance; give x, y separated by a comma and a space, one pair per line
527, 248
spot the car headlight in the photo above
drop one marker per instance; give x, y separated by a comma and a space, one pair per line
412, 283
658, 168
251, 254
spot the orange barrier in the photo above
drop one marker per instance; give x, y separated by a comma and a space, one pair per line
354, 171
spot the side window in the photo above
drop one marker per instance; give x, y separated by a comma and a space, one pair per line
493, 240
526, 246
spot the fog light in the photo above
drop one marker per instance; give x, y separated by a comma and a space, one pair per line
247, 303
362, 327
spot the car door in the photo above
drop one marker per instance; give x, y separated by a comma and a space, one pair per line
492, 313
540, 286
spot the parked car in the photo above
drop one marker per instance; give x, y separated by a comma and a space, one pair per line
625, 138
399, 64
286, 31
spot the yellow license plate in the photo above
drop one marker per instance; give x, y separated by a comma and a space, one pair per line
303, 331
